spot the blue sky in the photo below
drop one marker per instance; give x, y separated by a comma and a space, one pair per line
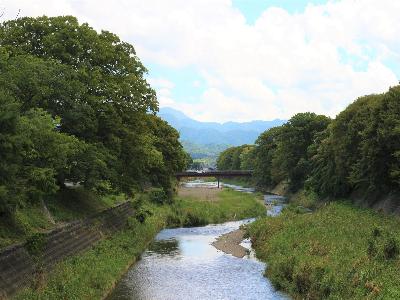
184, 92
252, 9
241, 60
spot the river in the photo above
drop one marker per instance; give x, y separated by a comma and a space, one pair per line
181, 263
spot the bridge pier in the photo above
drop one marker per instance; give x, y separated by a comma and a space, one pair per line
218, 181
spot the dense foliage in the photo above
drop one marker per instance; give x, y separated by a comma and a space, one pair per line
357, 151
75, 107
281, 153
236, 158
360, 150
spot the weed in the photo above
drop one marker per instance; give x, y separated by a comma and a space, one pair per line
35, 244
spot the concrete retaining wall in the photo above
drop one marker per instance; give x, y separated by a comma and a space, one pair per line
19, 263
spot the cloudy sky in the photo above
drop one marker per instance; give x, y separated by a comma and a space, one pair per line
221, 60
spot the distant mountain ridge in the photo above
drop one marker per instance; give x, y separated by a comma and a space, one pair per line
206, 133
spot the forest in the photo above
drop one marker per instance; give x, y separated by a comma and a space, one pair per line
358, 151
75, 108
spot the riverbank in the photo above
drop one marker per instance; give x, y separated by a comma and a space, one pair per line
67, 205
338, 252
93, 274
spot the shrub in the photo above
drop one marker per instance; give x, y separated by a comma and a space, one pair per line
158, 195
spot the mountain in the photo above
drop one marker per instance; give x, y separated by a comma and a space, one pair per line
212, 133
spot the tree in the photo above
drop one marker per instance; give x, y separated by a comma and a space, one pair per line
78, 108
247, 157
360, 150
266, 145
291, 157
32, 154
172, 157
95, 83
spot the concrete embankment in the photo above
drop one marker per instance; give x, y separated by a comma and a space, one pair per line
20, 263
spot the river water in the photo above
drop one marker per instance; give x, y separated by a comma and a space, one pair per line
181, 263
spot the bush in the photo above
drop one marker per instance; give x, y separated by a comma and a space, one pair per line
193, 220
158, 195
142, 214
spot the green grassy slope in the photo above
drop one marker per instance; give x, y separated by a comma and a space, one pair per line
337, 252
67, 205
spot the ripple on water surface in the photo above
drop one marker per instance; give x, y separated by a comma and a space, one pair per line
182, 264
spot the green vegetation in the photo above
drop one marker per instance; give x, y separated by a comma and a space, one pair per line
229, 205
203, 150
92, 275
357, 151
236, 158
337, 252
75, 108
204, 155
67, 205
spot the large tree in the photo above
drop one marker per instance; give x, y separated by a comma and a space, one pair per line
88, 88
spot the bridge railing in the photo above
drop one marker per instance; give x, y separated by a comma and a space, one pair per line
217, 173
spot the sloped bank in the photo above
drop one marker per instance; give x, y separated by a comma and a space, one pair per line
339, 251
21, 263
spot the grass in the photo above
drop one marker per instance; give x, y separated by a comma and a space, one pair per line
337, 252
93, 274
229, 205
25, 222
78, 203
200, 193
67, 205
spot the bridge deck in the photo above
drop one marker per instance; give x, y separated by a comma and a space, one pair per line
232, 173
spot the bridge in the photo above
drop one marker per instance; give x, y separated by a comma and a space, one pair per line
216, 174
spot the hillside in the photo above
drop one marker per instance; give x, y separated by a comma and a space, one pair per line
208, 139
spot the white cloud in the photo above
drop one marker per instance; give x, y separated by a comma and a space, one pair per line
161, 83
283, 64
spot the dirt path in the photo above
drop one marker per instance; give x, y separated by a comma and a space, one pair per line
230, 243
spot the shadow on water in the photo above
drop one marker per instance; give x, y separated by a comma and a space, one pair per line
181, 263
169, 247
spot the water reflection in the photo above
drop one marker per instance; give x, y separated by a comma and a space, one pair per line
169, 247
181, 263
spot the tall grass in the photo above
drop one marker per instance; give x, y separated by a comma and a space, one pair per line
337, 252
229, 205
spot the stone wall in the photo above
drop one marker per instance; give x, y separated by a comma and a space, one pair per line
19, 263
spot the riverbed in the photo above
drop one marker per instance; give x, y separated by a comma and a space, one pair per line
181, 263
